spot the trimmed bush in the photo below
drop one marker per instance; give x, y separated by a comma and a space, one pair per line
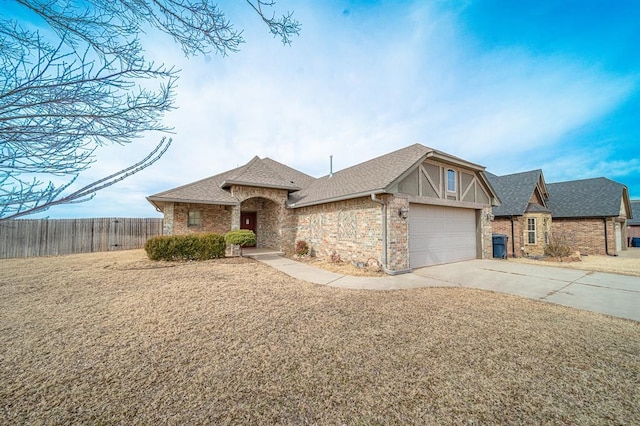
186, 247
241, 237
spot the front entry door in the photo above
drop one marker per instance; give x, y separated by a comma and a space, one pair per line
248, 221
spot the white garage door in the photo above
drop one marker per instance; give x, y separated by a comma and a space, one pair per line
441, 235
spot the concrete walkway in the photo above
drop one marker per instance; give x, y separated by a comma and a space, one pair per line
611, 294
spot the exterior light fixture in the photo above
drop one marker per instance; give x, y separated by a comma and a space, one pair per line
403, 212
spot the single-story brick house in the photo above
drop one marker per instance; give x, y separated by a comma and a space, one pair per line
410, 208
633, 224
591, 214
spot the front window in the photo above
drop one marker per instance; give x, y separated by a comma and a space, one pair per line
195, 218
531, 231
451, 180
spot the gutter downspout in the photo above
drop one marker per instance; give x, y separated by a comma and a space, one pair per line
384, 238
384, 230
513, 239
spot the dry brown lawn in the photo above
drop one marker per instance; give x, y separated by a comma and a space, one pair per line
111, 338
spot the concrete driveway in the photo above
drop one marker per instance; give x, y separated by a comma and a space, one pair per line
611, 294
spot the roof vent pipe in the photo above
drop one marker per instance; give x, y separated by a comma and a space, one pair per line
330, 165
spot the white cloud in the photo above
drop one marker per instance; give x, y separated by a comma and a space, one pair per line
356, 86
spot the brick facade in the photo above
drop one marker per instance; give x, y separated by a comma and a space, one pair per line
587, 235
351, 229
518, 240
214, 218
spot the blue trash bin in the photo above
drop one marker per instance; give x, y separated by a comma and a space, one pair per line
635, 242
500, 246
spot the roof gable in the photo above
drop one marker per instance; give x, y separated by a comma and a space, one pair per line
213, 190
266, 173
516, 190
597, 197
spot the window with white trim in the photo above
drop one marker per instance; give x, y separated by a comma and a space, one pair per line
531, 230
451, 180
195, 218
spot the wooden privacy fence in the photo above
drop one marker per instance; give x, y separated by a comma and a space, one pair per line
50, 237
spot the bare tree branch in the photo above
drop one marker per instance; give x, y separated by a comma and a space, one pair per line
89, 84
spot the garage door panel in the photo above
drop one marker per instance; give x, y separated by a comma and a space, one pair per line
441, 235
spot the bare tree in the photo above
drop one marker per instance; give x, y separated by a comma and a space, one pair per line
80, 81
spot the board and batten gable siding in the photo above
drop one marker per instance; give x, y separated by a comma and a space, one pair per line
426, 185
52, 237
429, 179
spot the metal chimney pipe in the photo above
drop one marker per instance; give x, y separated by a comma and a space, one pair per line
330, 165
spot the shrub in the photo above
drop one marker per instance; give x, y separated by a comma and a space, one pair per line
335, 258
302, 248
186, 247
241, 237
558, 246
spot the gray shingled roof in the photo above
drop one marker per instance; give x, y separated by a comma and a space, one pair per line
635, 209
365, 178
597, 197
514, 191
267, 173
257, 172
205, 191
373, 176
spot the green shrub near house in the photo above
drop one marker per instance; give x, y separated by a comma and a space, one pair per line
186, 247
241, 237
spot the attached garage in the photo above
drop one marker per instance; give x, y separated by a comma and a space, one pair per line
440, 234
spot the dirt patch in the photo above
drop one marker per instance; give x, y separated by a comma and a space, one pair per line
106, 338
344, 268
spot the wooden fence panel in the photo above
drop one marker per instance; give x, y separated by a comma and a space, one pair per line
52, 237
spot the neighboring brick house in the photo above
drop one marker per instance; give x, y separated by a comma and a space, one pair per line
633, 224
410, 208
523, 214
591, 214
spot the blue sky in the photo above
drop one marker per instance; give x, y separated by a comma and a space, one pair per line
512, 86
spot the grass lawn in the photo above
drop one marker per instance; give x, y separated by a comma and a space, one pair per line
113, 338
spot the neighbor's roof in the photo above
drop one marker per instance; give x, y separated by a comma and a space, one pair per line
635, 208
514, 191
373, 176
597, 197
257, 172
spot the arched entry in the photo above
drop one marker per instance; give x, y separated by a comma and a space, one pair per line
265, 218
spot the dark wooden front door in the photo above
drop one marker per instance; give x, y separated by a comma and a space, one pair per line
248, 221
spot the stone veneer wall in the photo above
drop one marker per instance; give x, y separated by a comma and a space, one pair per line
351, 229
586, 235
483, 221
543, 225
270, 206
167, 223
398, 258
268, 215
215, 218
